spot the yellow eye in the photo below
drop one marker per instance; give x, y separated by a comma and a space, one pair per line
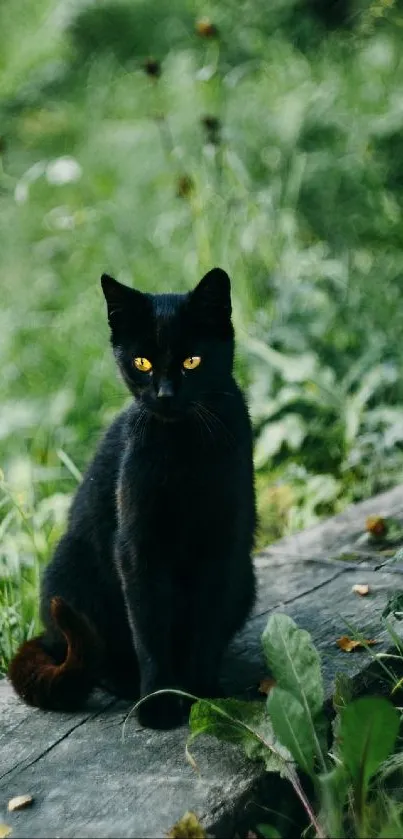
143, 364
192, 362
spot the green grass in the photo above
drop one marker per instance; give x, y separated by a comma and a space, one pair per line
301, 201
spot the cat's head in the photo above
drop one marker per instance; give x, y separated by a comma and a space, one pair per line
173, 350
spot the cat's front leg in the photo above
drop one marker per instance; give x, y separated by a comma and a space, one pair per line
206, 640
201, 676
148, 598
212, 628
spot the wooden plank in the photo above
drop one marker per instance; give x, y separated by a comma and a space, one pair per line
26, 734
87, 782
93, 784
327, 613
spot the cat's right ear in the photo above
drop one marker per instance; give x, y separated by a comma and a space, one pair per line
120, 299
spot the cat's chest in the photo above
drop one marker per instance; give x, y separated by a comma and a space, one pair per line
168, 470
176, 483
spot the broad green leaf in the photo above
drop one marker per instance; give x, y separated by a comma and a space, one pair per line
294, 662
268, 831
367, 734
289, 430
293, 368
244, 723
292, 728
355, 404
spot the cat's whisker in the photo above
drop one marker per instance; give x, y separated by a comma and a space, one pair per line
137, 424
219, 424
140, 425
208, 415
201, 421
144, 427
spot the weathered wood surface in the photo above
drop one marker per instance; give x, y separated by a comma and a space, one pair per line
87, 781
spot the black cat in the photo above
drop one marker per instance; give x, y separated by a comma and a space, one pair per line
154, 575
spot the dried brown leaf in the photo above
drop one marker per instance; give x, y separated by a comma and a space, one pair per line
188, 827
348, 645
377, 526
19, 802
266, 685
361, 589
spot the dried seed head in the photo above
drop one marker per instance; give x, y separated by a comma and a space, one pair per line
184, 186
205, 28
152, 67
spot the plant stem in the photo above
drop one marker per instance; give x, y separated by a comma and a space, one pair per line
294, 781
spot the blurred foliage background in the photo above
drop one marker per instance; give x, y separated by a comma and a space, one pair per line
153, 141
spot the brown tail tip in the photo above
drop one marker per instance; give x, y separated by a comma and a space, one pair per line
37, 678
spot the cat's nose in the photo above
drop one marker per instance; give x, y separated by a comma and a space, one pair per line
165, 389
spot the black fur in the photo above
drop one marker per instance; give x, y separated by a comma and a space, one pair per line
157, 555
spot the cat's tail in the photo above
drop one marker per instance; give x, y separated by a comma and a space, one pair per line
38, 675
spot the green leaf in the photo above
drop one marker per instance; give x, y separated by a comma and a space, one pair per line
293, 368
290, 725
268, 831
367, 734
294, 661
289, 430
244, 723
295, 665
355, 404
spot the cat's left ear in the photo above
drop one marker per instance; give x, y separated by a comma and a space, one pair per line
120, 299
213, 292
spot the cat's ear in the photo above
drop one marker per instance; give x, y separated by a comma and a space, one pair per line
213, 293
120, 299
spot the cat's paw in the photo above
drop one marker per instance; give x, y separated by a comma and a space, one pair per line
163, 712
